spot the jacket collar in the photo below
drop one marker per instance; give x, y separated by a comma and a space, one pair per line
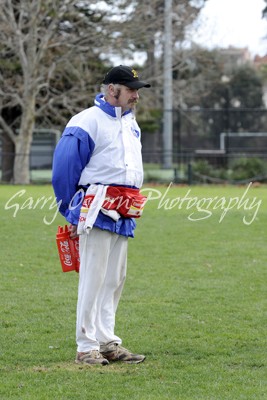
108, 108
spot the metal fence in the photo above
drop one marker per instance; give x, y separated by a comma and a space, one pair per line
218, 137
202, 130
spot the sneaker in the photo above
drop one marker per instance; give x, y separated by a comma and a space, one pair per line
92, 357
115, 352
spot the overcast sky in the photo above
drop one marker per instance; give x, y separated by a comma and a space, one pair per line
233, 22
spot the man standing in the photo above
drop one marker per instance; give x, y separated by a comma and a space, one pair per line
100, 151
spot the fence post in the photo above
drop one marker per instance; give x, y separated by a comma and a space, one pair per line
189, 173
176, 175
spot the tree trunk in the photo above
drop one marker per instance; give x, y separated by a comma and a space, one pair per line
23, 144
8, 154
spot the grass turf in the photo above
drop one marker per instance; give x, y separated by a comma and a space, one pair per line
194, 302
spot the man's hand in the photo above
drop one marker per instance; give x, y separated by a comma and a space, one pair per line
73, 231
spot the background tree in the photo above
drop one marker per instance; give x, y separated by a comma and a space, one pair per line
212, 97
237, 96
46, 67
141, 32
54, 53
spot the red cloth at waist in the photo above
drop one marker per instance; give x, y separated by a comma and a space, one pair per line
127, 202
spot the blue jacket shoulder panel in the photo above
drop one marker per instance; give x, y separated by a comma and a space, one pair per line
72, 153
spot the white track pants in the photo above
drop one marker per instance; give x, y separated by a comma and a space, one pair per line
103, 263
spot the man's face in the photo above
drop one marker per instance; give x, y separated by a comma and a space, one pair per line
126, 98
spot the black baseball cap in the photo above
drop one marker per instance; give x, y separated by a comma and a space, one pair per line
125, 76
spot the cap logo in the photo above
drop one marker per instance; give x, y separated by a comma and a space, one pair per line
135, 74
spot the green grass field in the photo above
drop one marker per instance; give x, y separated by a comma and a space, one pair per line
194, 300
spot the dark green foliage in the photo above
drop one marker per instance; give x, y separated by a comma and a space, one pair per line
246, 168
242, 169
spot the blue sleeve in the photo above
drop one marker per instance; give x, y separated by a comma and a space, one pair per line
71, 155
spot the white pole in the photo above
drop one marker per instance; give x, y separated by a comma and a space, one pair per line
167, 88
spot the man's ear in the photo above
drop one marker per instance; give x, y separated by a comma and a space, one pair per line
111, 89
